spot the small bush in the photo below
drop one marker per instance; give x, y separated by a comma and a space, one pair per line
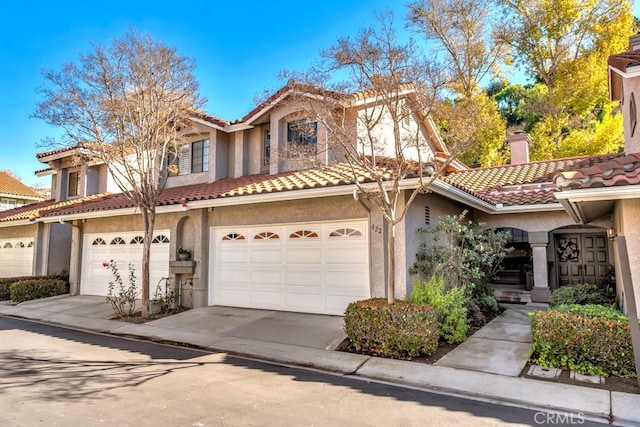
581, 294
401, 330
585, 339
31, 289
592, 310
6, 282
451, 307
487, 304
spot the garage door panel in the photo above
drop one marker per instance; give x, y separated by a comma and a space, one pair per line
346, 256
233, 256
234, 275
266, 299
266, 277
305, 301
346, 279
315, 269
303, 256
266, 255
304, 277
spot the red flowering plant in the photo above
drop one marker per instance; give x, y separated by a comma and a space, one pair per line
122, 298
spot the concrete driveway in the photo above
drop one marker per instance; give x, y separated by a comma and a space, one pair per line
205, 325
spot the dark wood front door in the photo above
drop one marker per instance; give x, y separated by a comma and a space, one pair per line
582, 258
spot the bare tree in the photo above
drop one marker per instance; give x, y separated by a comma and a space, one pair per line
126, 104
377, 120
462, 31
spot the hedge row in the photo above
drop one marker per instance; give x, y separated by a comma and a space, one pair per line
584, 293
30, 289
401, 330
588, 339
6, 282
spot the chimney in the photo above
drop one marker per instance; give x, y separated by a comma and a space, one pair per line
634, 42
519, 144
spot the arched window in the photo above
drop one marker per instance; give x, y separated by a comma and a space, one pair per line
233, 236
7, 245
30, 245
303, 234
345, 232
138, 240
266, 235
118, 241
99, 242
160, 238
19, 245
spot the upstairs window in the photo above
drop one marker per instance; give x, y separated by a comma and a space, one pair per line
200, 156
74, 184
190, 158
303, 133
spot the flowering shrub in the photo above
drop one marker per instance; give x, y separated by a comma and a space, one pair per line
122, 298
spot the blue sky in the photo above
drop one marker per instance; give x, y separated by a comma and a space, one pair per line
239, 49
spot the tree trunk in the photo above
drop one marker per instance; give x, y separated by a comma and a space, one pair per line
391, 269
148, 218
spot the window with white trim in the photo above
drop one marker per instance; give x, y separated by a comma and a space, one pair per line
73, 184
303, 133
191, 158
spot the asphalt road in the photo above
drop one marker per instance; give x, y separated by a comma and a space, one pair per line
52, 376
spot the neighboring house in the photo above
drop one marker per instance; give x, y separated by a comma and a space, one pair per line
13, 193
15, 250
266, 232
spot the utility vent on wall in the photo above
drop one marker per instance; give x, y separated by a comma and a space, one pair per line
427, 216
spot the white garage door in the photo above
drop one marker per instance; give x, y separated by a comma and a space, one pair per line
311, 268
123, 248
16, 257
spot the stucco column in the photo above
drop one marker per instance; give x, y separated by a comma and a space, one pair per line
75, 261
539, 240
377, 253
238, 151
275, 145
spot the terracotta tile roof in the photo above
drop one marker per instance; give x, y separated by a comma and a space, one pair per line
230, 187
56, 151
13, 186
625, 60
622, 170
211, 119
521, 184
36, 210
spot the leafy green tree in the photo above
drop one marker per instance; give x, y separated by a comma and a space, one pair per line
463, 253
473, 122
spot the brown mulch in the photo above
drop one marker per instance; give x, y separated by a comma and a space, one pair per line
137, 316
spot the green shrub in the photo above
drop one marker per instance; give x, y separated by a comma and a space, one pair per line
401, 330
592, 310
487, 304
576, 337
451, 306
6, 282
581, 294
30, 289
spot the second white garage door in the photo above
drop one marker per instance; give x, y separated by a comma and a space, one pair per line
123, 248
311, 268
16, 257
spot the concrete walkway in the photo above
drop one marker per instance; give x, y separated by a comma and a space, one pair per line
500, 347
485, 368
